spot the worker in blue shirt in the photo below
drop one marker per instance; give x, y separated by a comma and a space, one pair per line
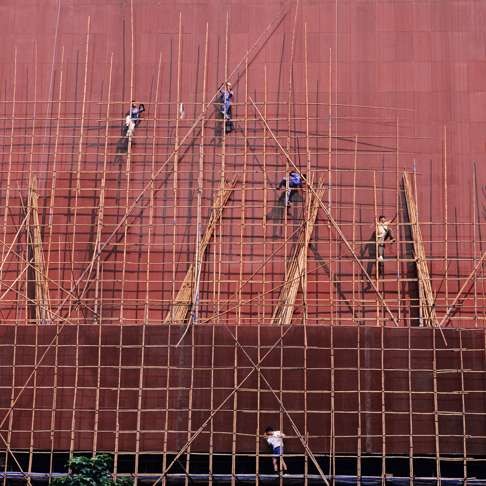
292, 184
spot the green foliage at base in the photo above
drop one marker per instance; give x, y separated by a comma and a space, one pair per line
91, 471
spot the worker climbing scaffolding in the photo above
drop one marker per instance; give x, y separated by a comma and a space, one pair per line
132, 119
226, 97
292, 184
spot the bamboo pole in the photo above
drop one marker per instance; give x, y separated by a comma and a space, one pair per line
50, 224
308, 160
101, 203
73, 224
398, 221
200, 183
175, 171
446, 219
127, 178
427, 301
10, 159
265, 196
353, 225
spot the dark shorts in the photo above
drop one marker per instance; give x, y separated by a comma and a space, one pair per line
277, 451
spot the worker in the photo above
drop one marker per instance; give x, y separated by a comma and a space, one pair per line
275, 439
291, 185
132, 118
226, 96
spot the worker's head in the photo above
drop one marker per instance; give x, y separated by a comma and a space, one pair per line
382, 219
268, 430
228, 84
133, 103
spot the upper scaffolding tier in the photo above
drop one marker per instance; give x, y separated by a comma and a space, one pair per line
97, 227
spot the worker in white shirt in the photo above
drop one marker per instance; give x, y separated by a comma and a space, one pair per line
275, 439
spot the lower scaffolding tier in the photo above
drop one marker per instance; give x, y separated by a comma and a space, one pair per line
334, 391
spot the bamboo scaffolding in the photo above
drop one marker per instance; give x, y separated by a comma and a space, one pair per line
297, 268
329, 216
183, 301
426, 295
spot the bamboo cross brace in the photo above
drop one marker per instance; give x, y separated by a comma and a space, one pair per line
286, 304
329, 216
184, 298
427, 301
453, 307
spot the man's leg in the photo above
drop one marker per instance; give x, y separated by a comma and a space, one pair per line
381, 260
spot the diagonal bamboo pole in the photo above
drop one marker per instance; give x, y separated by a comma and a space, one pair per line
329, 216
454, 306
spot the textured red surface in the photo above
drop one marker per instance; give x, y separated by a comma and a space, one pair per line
415, 65
370, 383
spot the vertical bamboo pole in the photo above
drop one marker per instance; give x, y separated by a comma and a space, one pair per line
383, 406
258, 409
101, 203
474, 247
446, 221
377, 273
12, 404
32, 203
74, 223
118, 368
353, 225
52, 427
265, 196
166, 404
50, 224
398, 220
305, 281
223, 172
463, 409
189, 481
332, 432
359, 431
411, 471
127, 177
308, 159
243, 198
99, 229
10, 158
211, 398
436, 405
152, 198
329, 128
200, 191
176, 165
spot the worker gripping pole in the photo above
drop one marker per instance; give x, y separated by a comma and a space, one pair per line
427, 301
184, 299
328, 214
